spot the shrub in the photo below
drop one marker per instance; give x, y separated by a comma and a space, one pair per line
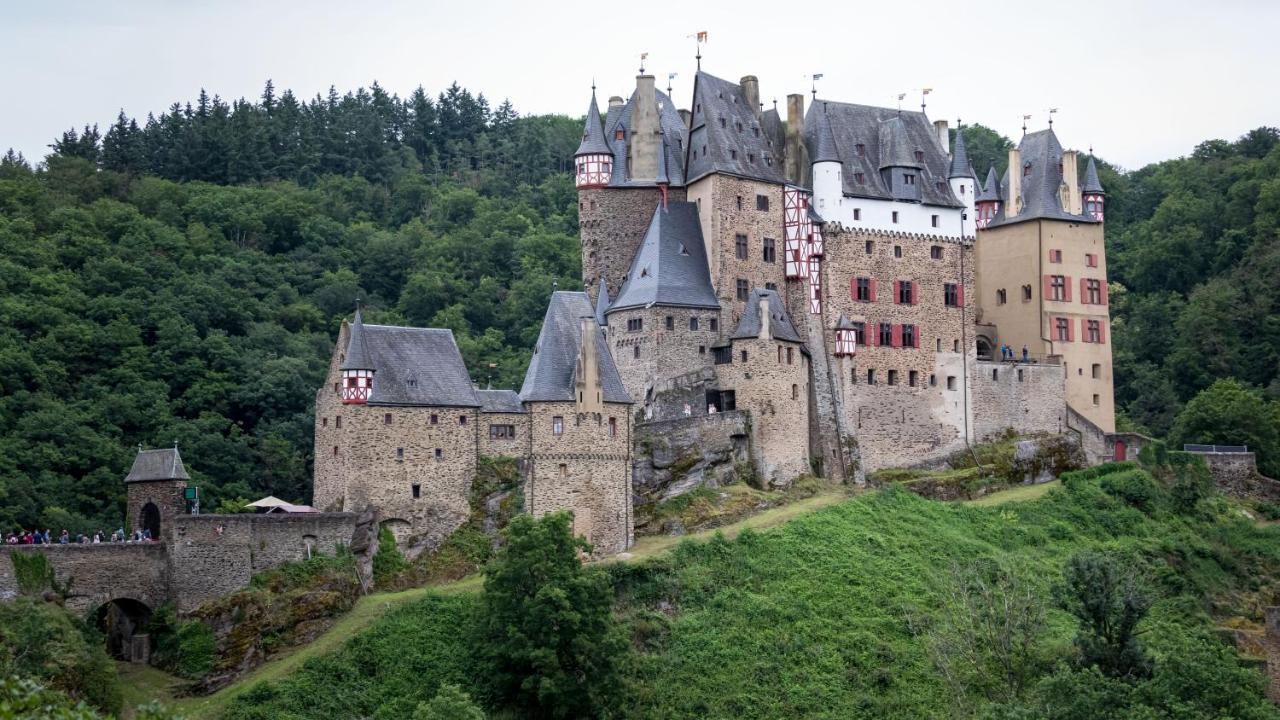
1135, 487
450, 703
186, 648
387, 562
1104, 594
46, 643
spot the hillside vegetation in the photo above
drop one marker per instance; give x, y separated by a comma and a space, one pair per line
888, 605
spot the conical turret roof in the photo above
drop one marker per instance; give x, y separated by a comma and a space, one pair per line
990, 191
1091, 182
602, 301
357, 357
824, 147
844, 323
593, 141
960, 165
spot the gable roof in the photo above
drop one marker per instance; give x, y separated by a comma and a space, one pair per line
151, 465
670, 267
780, 326
593, 141
499, 401
674, 140
415, 366
727, 135
1041, 184
552, 369
889, 138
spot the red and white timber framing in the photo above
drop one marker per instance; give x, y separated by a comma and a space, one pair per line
594, 170
356, 386
804, 246
846, 343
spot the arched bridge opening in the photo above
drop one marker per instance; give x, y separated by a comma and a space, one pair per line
124, 622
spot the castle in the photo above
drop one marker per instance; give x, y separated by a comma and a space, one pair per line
841, 283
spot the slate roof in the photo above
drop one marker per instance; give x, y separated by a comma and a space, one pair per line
771, 125
151, 465
727, 135
415, 366
960, 165
674, 140
1041, 186
824, 148
780, 326
844, 323
890, 138
670, 268
552, 369
593, 141
499, 401
357, 355
990, 189
602, 301
1091, 182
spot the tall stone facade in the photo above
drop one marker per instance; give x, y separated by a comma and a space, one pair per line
770, 381
651, 344
611, 224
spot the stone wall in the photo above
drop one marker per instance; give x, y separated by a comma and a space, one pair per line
586, 469
672, 394
647, 356
97, 573
611, 223
1093, 439
674, 457
770, 380
506, 446
1236, 474
1027, 398
167, 495
214, 555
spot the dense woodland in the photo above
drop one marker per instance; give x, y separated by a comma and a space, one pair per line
181, 279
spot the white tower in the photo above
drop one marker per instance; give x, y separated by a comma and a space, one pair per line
964, 183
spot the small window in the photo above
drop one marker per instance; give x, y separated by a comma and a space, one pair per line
324, 422
955, 346
871, 376
1057, 287
795, 391
713, 324
934, 220
635, 352
919, 156
862, 150
933, 381
416, 489
738, 199
399, 453
1055, 256
1063, 329
935, 251
693, 323
740, 246
893, 377
613, 427
905, 296
1093, 292
857, 213
789, 355
909, 336
870, 246
722, 355
779, 354
386, 419
462, 419
635, 324
762, 202
335, 387
913, 377
771, 286
439, 453
860, 178
1019, 374
742, 288
671, 323
862, 289
335, 451
897, 251
895, 217
1096, 371
1026, 293
770, 251
564, 470
337, 421
995, 373
702, 349
435, 419
886, 334
743, 356
1094, 330
557, 426
620, 134
951, 382
909, 178
1096, 399
950, 294
1001, 296
1090, 260
1026, 170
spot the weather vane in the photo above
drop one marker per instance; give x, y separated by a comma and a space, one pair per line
814, 78
1052, 111
924, 94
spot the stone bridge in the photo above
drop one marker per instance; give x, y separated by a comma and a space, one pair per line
95, 575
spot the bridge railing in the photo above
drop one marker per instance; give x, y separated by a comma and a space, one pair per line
1215, 448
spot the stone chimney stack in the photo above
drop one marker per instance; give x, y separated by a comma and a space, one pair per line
944, 137
644, 131
686, 117
797, 164
615, 101
1071, 177
766, 332
1013, 203
751, 91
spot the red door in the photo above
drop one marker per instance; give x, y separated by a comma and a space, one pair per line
1120, 450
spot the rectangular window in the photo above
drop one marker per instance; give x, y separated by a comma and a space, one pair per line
435, 419
1057, 287
324, 422
740, 246
671, 323
1093, 292
693, 323
1055, 256
742, 289
557, 426
871, 376
613, 427
416, 489
635, 324
862, 289
933, 381
886, 334
337, 421
771, 286
935, 251
762, 202
462, 419
857, 213
870, 246
1090, 260
1096, 399
1062, 329
934, 220
564, 470
909, 336
1026, 293
897, 251
502, 432
1096, 370
399, 453
743, 356
908, 178
895, 217
722, 355
439, 453
1093, 328
386, 419
789, 357
770, 251
951, 382
905, 294
913, 377
893, 377
713, 324
1001, 296
738, 198
635, 352
860, 333
951, 295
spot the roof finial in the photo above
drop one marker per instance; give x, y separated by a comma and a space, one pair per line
924, 94
699, 38
1051, 113
670, 76
643, 56
900, 97
814, 78
775, 104
1025, 118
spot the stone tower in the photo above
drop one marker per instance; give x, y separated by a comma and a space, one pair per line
155, 488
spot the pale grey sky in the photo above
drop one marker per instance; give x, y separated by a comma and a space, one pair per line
1141, 81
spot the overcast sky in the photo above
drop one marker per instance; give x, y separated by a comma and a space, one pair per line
1140, 81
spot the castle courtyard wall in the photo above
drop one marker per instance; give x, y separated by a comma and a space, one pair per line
1025, 398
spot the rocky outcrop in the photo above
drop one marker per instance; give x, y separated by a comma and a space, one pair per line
364, 545
676, 457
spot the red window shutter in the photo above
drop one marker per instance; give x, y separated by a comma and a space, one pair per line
1071, 331
1048, 287
1103, 283
915, 292
897, 292
915, 338
960, 294
873, 334
897, 336
873, 289
853, 289
1066, 287
1084, 290
1102, 331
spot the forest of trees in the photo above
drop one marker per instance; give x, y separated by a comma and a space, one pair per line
181, 279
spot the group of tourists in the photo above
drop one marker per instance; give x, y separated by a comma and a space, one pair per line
37, 537
1006, 353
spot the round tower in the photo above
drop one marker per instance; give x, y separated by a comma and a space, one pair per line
825, 160
964, 182
1092, 192
357, 366
594, 159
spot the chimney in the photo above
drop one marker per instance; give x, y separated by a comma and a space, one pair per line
1013, 203
944, 137
751, 91
686, 117
766, 332
588, 388
615, 101
1071, 177
643, 148
797, 160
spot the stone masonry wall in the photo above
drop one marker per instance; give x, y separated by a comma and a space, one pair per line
1026, 398
901, 424
584, 469
503, 447
329, 477
662, 353
611, 223
772, 385
1236, 474
167, 496
97, 573
214, 555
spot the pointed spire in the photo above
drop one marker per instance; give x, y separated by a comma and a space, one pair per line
844, 323
357, 357
991, 188
602, 301
593, 132
825, 147
1091, 182
960, 165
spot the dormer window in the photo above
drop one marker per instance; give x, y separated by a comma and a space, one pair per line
1026, 170
683, 249
862, 150
860, 178
909, 178
919, 156
620, 134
